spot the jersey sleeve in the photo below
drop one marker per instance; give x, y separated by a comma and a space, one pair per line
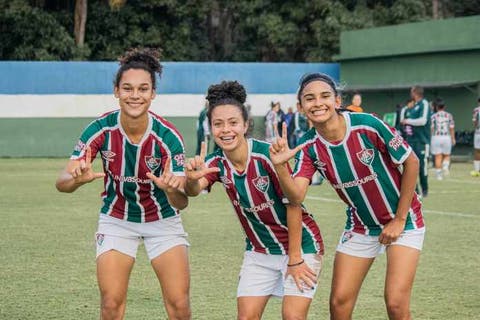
92, 136
391, 142
304, 165
212, 162
176, 152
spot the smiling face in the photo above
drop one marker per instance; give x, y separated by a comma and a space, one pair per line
228, 127
319, 102
135, 93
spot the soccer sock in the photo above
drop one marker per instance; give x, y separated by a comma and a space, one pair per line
446, 165
438, 173
476, 165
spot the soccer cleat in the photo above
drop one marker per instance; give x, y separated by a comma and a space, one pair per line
475, 173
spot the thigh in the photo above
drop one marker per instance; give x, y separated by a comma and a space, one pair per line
113, 273
295, 307
172, 270
402, 264
251, 307
348, 275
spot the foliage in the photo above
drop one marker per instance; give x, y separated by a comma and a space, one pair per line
207, 30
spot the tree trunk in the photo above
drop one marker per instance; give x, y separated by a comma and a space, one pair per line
80, 21
435, 9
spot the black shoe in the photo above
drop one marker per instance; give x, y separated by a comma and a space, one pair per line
424, 194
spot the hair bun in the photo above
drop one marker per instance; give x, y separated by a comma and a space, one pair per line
147, 56
226, 90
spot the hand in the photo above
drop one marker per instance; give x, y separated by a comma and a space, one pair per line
392, 231
195, 168
84, 172
304, 277
454, 142
168, 182
280, 153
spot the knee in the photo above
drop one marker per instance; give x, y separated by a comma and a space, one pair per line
112, 307
248, 317
397, 308
338, 302
180, 309
292, 315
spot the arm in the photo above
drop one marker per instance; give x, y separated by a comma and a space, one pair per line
77, 173
422, 120
395, 227
297, 267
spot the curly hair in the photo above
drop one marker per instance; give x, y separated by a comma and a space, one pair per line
227, 92
147, 59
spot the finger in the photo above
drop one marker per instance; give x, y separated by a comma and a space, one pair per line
88, 158
284, 130
299, 147
82, 164
203, 149
166, 166
98, 175
298, 284
211, 170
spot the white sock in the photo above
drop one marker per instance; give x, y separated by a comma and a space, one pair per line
446, 165
476, 165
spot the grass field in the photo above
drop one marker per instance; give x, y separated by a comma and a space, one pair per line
48, 269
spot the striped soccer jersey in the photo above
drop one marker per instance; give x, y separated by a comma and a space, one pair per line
442, 122
128, 193
364, 170
476, 119
259, 202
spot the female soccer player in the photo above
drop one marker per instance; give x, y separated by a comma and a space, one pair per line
374, 172
284, 246
443, 138
136, 146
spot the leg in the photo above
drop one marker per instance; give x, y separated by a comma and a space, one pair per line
438, 166
171, 268
295, 307
446, 163
113, 273
348, 275
251, 308
423, 170
401, 266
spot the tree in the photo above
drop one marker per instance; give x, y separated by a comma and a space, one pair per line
80, 21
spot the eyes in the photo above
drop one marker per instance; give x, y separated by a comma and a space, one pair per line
142, 89
220, 124
312, 97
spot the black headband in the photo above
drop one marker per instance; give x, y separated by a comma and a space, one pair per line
310, 77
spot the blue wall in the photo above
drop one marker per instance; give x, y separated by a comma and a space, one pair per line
177, 78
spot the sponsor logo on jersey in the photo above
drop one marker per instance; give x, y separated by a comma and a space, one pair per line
108, 155
226, 182
396, 142
261, 206
261, 183
366, 156
79, 146
152, 162
179, 159
355, 183
347, 235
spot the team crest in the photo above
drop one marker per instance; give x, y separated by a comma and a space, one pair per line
261, 183
366, 156
100, 238
179, 159
152, 162
108, 155
347, 235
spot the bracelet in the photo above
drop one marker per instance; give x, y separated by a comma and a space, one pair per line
296, 264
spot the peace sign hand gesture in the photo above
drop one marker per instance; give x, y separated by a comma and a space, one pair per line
167, 181
195, 168
280, 152
83, 173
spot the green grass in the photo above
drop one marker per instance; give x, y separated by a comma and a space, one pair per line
48, 252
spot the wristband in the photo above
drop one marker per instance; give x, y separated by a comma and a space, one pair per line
296, 264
